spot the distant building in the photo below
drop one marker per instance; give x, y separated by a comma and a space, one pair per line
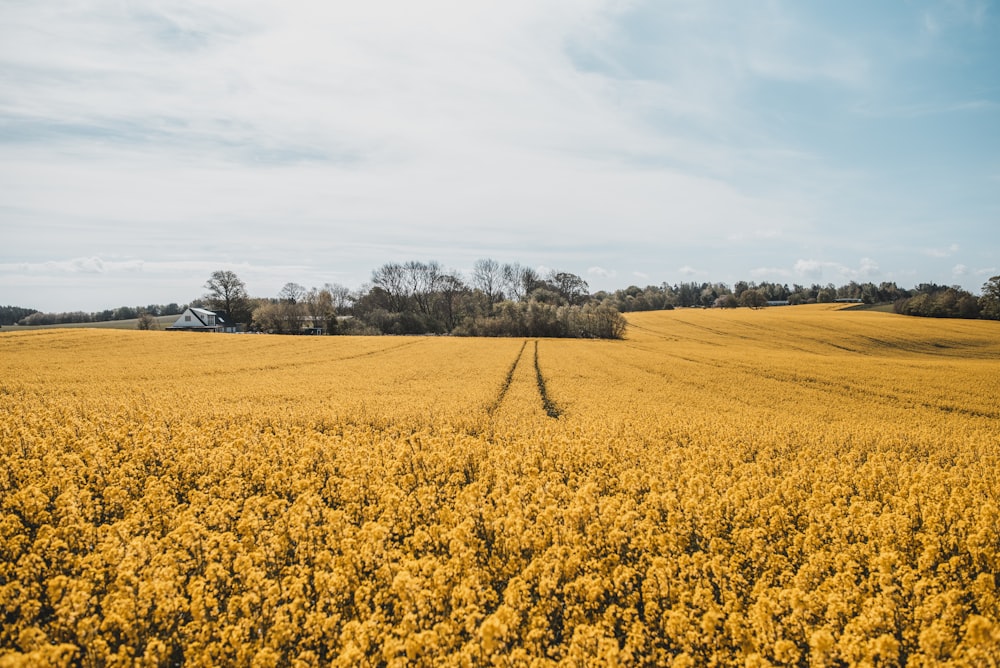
845, 300
777, 302
202, 320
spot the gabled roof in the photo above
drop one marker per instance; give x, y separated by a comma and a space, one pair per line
201, 315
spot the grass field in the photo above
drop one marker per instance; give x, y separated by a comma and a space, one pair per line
779, 487
162, 322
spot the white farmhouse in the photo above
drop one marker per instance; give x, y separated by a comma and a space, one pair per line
202, 320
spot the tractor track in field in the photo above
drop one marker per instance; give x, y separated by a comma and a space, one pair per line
380, 351
813, 381
506, 383
550, 407
309, 360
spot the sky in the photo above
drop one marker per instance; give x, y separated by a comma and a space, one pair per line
146, 144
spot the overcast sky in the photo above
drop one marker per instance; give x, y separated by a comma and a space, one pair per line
145, 144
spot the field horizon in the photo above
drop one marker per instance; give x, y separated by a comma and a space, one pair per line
162, 321
783, 486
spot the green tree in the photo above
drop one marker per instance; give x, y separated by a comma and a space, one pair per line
572, 289
967, 306
730, 301
9, 315
989, 301
753, 299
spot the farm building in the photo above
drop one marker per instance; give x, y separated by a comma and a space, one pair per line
202, 320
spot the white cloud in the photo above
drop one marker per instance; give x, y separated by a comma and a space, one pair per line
942, 252
359, 122
602, 272
86, 265
813, 268
94, 283
322, 139
868, 268
77, 265
768, 272
817, 269
959, 270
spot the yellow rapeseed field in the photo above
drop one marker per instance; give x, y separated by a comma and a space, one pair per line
791, 486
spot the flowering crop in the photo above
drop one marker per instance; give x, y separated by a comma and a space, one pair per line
779, 487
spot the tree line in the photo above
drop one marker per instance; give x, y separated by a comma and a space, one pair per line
425, 298
512, 300
926, 299
508, 299
938, 301
743, 293
15, 315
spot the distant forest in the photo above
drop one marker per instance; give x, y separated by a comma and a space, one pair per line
509, 300
11, 315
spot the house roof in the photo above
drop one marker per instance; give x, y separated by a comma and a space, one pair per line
202, 315
220, 316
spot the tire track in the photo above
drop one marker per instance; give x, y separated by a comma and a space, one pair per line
311, 359
551, 409
379, 351
506, 383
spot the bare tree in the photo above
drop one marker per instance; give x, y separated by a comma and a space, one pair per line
423, 281
341, 296
319, 304
450, 289
146, 321
519, 281
487, 276
293, 293
281, 317
391, 278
